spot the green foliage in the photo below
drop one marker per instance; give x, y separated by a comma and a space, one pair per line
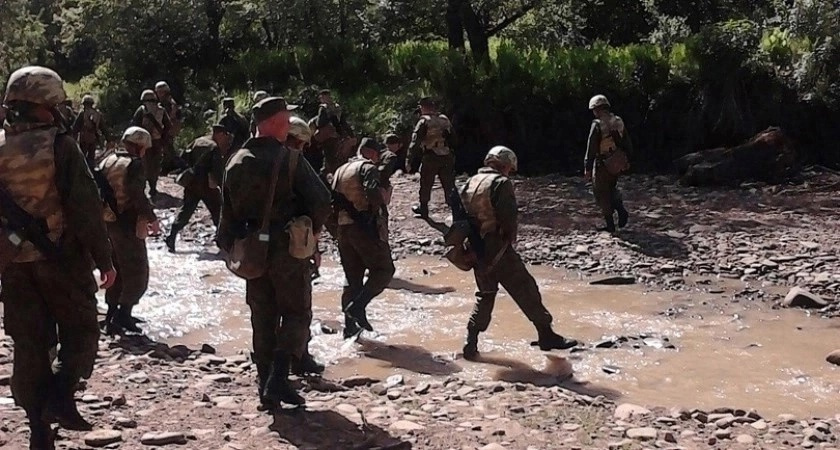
22, 36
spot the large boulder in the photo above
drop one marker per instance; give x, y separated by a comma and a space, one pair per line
770, 156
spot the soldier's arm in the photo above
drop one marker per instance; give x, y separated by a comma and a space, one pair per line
323, 117
314, 194
135, 186
167, 124
387, 166
370, 176
77, 124
137, 120
592, 147
81, 202
225, 235
504, 202
414, 149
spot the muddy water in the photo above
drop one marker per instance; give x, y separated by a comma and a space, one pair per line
772, 361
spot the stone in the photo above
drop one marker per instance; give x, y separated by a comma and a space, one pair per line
164, 438
406, 426
124, 422
627, 411
422, 388
800, 298
101, 438
218, 378
5, 379
571, 427
834, 357
465, 391
138, 377
394, 381
208, 349
614, 281
642, 434
723, 434
358, 381
759, 425
745, 439
789, 419
394, 394
669, 437
493, 446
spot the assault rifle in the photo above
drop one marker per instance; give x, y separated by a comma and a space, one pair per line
461, 219
366, 220
34, 230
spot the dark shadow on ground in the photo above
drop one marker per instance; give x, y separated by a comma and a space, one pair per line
165, 201
405, 285
557, 372
331, 430
654, 244
139, 344
409, 357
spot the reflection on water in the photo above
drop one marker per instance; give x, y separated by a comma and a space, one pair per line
769, 360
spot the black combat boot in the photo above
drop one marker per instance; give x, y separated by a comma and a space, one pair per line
42, 436
263, 370
306, 365
471, 347
170, 240
549, 340
351, 328
277, 388
421, 210
125, 320
109, 318
61, 405
356, 309
610, 224
623, 216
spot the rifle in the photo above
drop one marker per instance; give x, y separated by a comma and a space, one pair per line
106, 191
32, 229
460, 214
366, 220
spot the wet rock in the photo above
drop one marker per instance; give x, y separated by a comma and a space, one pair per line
138, 377
118, 401
800, 298
101, 438
642, 434
124, 422
669, 437
614, 281
205, 348
218, 378
422, 388
394, 394
627, 411
834, 357
165, 438
394, 381
358, 381
406, 426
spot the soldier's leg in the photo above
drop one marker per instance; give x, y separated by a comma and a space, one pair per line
113, 293
354, 275
602, 186
259, 294
213, 201
428, 172
89, 150
151, 165
183, 219
446, 174
292, 284
134, 263
376, 258
618, 205
487, 286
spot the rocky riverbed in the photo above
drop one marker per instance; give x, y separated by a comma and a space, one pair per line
742, 248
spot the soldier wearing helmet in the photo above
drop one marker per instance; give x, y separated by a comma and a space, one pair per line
46, 274
431, 149
176, 121
334, 137
130, 218
362, 233
68, 114
606, 158
489, 202
90, 128
152, 117
235, 123
202, 181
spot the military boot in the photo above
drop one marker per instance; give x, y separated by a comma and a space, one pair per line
306, 365
61, 405
263, 371
623, 216
277, 388
42, 436
549, 340
170, 241
356, 309
109, 317
125, 320
421, 210
610, 224
351, 328
471, 347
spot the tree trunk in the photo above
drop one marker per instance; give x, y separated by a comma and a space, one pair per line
454, 24
215, 11
476, 33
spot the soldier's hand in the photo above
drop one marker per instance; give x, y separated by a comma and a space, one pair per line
107, 278
587, 176
154, 228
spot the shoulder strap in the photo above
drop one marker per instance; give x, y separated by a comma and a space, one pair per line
275, 173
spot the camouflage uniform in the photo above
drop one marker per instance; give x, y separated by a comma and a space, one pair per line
90, 128
68, 115
431, 143
208, 165
46, 174
237, 125
281, 300
124, 173
604, 136
153, 118
363, 247
176, 121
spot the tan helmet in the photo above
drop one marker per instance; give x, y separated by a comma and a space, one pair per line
162, 86
502, 155
137, 136
598, 101
300, 129
260, 95
148, 96
35, 84
88, 100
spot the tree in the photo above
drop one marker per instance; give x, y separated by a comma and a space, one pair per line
481, 20
23, 36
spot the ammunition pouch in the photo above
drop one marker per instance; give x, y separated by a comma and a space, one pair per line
302, 243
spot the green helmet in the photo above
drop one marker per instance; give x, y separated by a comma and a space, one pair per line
88, 100
259, 96
300, 129
162, 86
137, 136
148, 96
503, 155
35, 84
598, 101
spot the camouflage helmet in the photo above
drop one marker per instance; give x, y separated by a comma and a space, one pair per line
162, 86
259, 96
138, 137
502, 154
598, 101
35, 84
88, 100
148, 96
300, 129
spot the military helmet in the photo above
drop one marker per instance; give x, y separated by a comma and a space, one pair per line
502, 155
598, 101
35, 84
148, 96
259, 96
162, 86
88, 100
137, 136
300, 129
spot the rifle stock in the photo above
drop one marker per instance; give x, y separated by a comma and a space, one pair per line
32, 229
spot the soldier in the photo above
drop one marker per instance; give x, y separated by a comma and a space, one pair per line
130, 219
331, 132
490, 204
152, 117
176, 121
68, 114
606, 136
394, 145
281, 299
90, 128
431, 148
234, 122
362, 235
46, 269
258, 97
330, 113
207, 157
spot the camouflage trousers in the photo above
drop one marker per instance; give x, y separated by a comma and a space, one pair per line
45, 302
605, 188
281, 307
211, 198
434, 166
512, 274
132, 264
89, 150
152, 164
361, 252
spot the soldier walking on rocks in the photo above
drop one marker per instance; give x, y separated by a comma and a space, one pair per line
176, 122
606, 158
235, 123
280, 292
130, 219
489, 202
152, 117
90, 128
362, 234
202, 182
431, 149
53, 235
